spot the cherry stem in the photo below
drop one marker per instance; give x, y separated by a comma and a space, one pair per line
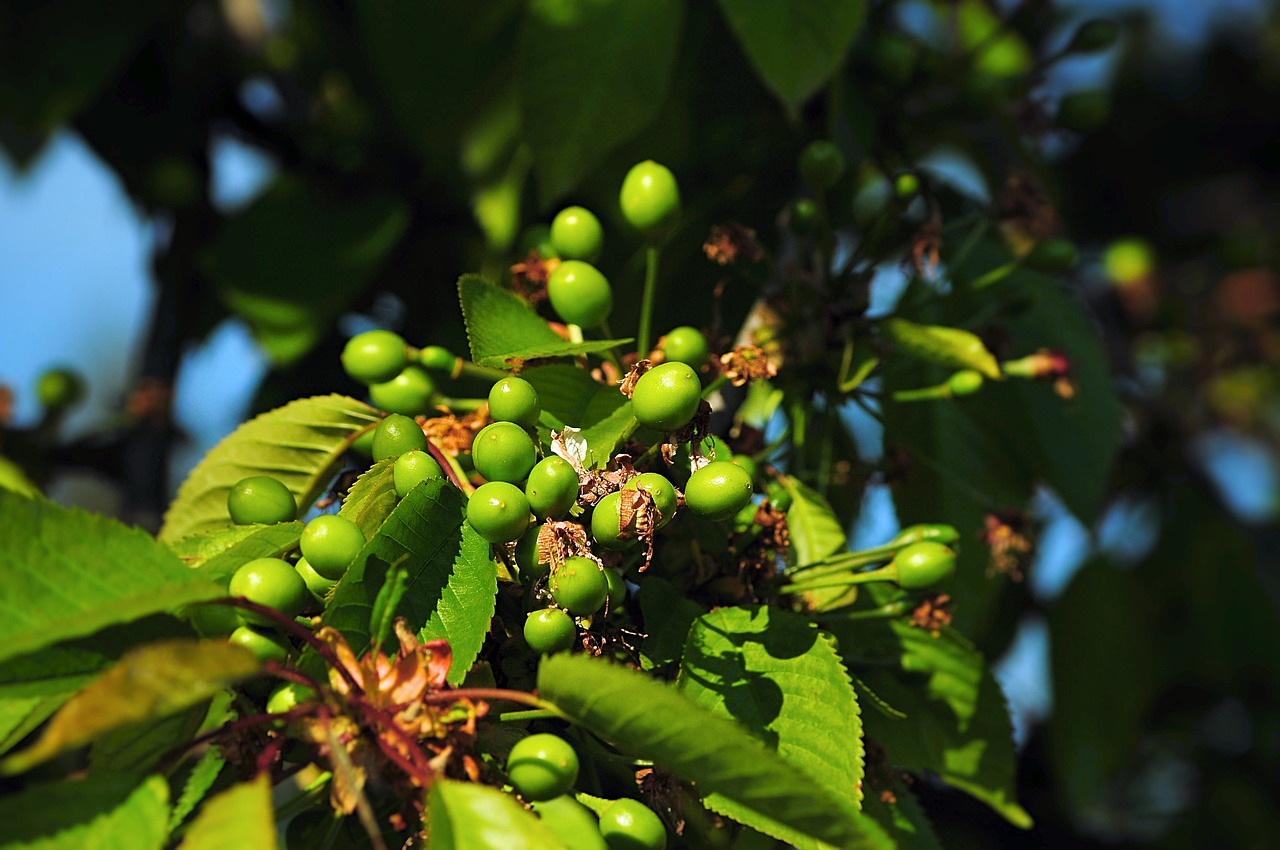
450, 466
646, 301
884, 612
306, 635
885, 573
237, 726
493, 695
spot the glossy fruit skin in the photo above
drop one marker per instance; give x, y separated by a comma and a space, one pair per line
617, 593
778, 496
514, 400
748, 463
663, 491
666, 397
396, 435
498, 511
965, 382
571, 822
374, 356
330, 543
579, 293
923, 564
631, 825
549, 630
718, 490
650, 199
542, 766
316, 583
529, 558
412, 468
437, 357
821, 165
937, 532
579, 586
264, 646
606, 524
576, 234
363, 445
411, 392
552, 487
288, 695
686, 344
260, 499
503, 451
271, 582
214, 620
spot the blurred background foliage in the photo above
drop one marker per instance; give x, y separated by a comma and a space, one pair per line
409, 142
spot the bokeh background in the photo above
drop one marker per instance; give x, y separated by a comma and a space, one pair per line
200, 201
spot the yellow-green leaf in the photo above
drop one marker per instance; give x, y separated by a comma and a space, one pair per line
240, 817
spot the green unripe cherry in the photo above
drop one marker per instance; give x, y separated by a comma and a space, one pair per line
514, 400
821, 165
718, 490
542, 766
396, 435
260, 499
663, 492
549, 630
498, 511
552, 487
374, 356
907, 186
804, 217
316, 583
666, 397
529, 557
650, 199
410, 392
617, 593
264, 646
59, 388
631, 825
576, 234
965, 382
503, 451
686, 344
213, 620
579, 293
606, 524
923, 564
271, 582
937, 532
579, 586
438, 358
330, 543
412, 468
571, 822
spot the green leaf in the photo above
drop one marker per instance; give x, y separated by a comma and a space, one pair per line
148, 684
265, 541
451, 580
137, 748
571, 397
503, 330
240, 817
468, 816
105, 811
372, 498
783, 680
199, 780
902, 817
292, 261
794, 47
14, 479
975, 756
301, 444
589, 84
951, 348
815, 530
69, 574
668, 614
752, 784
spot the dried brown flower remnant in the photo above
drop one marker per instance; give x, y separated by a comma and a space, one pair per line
454, 434
730, 242
933, 612
628, 385
1010, 543
746, 363
529, 277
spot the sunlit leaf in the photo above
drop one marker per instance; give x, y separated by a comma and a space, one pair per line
103, 811
467, 816
300, 444
241, 817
